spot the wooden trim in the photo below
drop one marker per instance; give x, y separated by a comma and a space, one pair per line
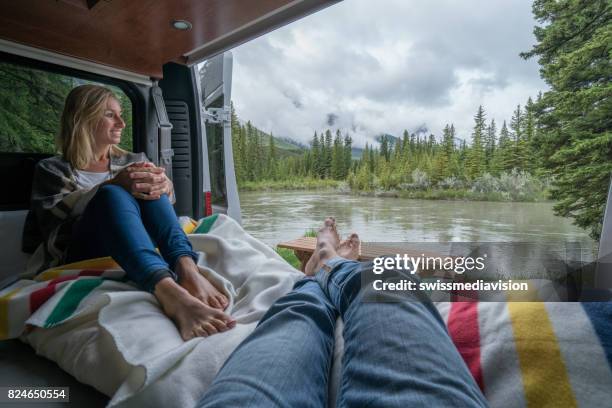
256, 28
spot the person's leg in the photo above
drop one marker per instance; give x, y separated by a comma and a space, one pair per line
397, 351
112, 226
286, 361
160, 221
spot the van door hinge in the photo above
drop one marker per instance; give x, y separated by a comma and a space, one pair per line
217, 115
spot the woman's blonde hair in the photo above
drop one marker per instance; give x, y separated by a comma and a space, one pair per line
84, 108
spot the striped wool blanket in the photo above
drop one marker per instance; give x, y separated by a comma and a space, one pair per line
535, 354
72, 283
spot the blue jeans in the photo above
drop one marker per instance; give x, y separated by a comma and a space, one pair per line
118, 225
397, 354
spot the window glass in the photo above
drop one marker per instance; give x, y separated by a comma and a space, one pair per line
31, 103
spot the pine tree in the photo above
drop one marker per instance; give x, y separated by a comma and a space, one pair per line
397, 151
503, 159
272, 164
431, 143
372, 159
532, 162
445, 156
348, 155
476, 155
337, 161
574, 43
384, 148
316, 156
251, 142
519, 152
327, 154
490, 142
322, 155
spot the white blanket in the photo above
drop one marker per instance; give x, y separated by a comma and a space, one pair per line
124, 345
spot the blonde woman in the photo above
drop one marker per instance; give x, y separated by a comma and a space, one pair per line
96, 199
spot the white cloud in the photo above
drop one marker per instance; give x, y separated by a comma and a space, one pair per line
381, 67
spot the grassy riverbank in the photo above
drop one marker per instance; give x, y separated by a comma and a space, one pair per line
289, 256
290, 184
508, 187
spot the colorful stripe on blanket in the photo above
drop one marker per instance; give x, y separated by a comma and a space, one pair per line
528, 354
60, 289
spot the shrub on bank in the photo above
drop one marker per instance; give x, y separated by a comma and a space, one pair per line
509, 186
513, 186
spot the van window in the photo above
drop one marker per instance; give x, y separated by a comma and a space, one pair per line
31, 102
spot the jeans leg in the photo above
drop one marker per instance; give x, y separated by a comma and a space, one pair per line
160, 220
397, 354
286, 361
112, 226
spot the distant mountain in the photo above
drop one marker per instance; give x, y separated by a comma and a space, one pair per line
289, 144
390, 138
284, 146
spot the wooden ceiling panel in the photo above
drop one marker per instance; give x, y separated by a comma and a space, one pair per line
136, 35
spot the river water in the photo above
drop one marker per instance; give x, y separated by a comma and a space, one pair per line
280, 216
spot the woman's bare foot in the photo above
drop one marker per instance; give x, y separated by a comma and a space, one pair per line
350, 247
197, 285
192, 317
327, 241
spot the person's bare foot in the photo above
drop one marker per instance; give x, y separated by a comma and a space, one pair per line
197, 285
350, 247
327, 241
192, 317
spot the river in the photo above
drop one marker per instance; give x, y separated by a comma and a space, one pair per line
280, 216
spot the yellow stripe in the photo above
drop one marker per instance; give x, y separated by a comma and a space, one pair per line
48, 275
545, 378
189, 226
4, 313
97, 263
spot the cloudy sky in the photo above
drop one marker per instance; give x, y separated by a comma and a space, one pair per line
372, 67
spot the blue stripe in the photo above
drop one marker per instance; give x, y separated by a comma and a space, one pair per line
600, 314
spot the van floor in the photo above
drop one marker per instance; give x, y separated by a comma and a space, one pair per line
20, 366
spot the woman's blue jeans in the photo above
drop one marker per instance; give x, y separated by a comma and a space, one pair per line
128, 229
396, 354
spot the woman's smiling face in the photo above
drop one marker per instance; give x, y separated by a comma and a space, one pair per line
109, 128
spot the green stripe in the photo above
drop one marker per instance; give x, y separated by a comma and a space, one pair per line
206, 224
71, 299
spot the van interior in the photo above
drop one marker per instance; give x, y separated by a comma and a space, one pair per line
148, 52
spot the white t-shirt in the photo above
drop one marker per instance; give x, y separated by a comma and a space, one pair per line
89, 179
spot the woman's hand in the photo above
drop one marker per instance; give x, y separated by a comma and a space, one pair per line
149, 182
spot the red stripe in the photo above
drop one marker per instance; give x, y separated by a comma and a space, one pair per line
464, 331
40, 296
